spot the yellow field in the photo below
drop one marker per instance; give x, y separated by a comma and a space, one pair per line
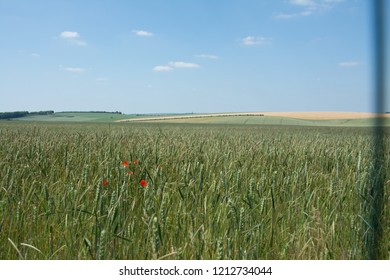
296, 115
323, 115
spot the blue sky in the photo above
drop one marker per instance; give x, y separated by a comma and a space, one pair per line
165, 56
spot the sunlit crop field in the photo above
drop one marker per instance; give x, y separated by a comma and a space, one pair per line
149, 191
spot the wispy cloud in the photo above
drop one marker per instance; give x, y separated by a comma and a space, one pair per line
305, 3
143, 33
207, 56
74, 69
252, 40
175, 65
182, 64
73, 38
293, 15
349, 64
101, 79
316, 4
162, 68
69, 35
309, 7
35, 55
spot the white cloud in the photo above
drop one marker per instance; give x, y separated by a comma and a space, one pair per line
143, 33
162, 68
181, 64
175, 65
349, 64
69, 34
35, 55
309, 7
75, 69
72, 38
208, 56
252, 40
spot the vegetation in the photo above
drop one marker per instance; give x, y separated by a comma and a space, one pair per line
101, 112
21, 114
79, 117
148, 191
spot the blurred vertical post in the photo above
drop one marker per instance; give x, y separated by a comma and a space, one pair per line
374, 246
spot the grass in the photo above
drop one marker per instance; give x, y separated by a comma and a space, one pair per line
213, 191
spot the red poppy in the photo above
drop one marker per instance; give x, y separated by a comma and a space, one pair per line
143, 183
125, 163
136, 161
105, 183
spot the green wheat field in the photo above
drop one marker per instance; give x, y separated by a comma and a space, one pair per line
185, 191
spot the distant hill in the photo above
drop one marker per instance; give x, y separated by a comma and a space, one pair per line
246, 118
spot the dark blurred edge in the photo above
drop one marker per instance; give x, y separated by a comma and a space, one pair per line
375, 248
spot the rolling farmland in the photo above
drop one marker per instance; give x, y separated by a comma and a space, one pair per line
184, 191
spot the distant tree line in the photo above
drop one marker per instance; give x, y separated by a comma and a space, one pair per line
21, 114
105, 112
